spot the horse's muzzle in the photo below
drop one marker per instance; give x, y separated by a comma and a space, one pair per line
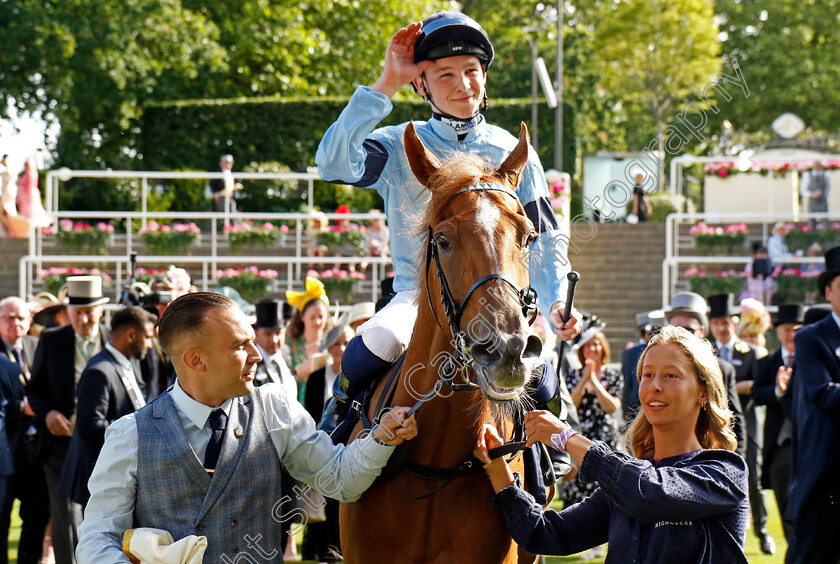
506, 362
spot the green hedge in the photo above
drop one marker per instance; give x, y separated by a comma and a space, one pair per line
192, 134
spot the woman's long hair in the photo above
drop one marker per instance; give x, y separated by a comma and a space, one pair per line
714, 423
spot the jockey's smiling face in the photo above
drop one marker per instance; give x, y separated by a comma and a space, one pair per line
454, 84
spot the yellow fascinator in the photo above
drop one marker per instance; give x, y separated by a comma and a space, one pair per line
314, 291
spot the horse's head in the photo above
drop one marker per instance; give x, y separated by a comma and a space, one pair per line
478, 238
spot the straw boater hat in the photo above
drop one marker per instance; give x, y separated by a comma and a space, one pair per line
84, 291
45, 306
361, 311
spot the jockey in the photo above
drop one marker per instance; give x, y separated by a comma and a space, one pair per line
445, 58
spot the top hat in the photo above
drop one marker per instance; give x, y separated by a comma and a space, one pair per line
386, 285
288, 311
832, 269
688, 303
722, 305
789, 313
270, 315
816, 313
84, 291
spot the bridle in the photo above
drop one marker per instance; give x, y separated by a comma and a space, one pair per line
452, 308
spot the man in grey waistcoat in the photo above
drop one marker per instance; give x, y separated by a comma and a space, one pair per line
150, 471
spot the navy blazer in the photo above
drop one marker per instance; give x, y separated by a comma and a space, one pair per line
102, 399
28, 345
53, 381
816, 408
10, 398
764, 393
17, 428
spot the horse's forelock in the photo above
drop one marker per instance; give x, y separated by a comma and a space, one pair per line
460, 171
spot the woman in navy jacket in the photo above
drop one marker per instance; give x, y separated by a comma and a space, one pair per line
682, 498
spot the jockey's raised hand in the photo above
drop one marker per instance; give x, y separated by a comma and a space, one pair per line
400, 68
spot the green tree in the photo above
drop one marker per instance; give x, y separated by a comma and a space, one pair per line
594, 124
789, 52
91, 64
653, 51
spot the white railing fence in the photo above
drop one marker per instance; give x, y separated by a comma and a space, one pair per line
680, 249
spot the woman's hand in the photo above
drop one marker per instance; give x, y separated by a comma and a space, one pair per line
497, 470
488, 438
540, 425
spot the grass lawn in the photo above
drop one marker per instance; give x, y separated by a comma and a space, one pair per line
754, 554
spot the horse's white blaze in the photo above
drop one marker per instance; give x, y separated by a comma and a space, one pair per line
488, 217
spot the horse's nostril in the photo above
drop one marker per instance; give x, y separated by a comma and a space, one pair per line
533, 348
486, 353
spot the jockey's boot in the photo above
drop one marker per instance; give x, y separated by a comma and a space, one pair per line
336, 408
549, 392
359, 368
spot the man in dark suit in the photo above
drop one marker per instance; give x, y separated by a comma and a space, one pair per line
814, 494
723, 321
772, 375
688, 310
10, 399
646, 323
28, 483
108, 389
270, 336
60, 359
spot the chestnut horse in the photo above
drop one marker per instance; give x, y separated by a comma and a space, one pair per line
471, 337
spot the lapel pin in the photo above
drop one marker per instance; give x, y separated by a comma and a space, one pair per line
837, 351
238, 432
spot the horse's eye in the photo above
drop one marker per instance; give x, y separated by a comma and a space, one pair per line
442, 242
532, 236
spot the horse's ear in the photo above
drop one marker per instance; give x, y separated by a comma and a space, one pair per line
515, 162
422, 162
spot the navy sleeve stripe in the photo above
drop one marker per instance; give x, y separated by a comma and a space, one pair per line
377, 158
541, 215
